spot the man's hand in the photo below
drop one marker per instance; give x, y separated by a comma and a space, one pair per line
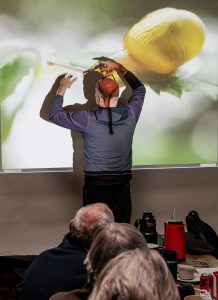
110, 65
65, 83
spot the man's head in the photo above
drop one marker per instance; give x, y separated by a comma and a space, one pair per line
88, 218
109, 87
107, 92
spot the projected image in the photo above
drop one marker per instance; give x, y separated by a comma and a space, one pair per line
170, 46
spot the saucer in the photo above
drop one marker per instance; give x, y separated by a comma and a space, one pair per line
196, 278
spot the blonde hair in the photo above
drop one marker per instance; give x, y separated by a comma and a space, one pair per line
108, 242
135, 275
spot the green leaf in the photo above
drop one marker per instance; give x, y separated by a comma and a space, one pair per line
171, 84
207, 88
7, 122
187, 78
15, 64
13, 71
176, 84
7, 55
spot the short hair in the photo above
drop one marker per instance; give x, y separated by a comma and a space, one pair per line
90, 217
110, 241
137, 275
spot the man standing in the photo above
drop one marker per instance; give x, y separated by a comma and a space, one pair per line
62, 268
108, 133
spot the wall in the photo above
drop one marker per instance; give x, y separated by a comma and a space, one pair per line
35, 208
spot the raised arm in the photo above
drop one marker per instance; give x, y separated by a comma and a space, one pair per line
111, 65
67, 119
136, 100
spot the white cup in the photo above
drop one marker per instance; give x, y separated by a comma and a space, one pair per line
185, 272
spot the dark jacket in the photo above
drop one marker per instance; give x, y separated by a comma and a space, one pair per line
54, 270
79, 294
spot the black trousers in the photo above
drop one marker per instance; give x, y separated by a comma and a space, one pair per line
117, 197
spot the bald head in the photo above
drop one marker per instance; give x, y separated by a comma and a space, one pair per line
90, 217
109, 88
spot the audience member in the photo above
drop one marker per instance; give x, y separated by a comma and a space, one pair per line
62, 268
107, 243
137, 275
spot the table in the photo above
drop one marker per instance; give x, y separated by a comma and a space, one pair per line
207, 258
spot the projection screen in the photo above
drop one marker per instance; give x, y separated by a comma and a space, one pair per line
178, 123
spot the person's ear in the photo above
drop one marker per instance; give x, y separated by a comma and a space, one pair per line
115, 93
71, 224
101, 101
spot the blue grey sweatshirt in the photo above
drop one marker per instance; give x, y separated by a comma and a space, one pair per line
104, 153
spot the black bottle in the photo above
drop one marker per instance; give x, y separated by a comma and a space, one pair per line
147, 226
170, 257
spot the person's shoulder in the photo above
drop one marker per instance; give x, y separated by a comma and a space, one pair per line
61, 296
78, 294
67, 243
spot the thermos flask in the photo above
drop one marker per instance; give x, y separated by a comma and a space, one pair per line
174, 238
147, 226
170, 257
